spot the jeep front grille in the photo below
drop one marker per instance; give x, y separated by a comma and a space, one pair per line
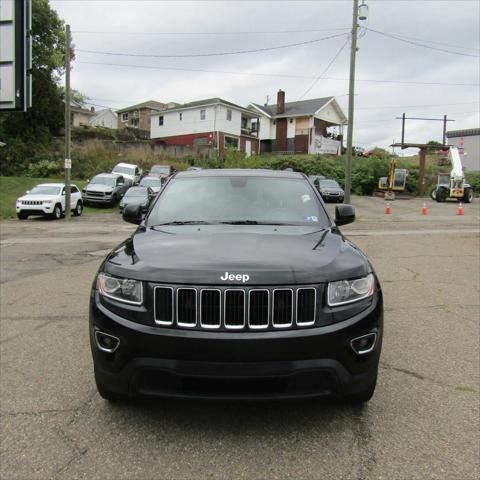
235, 308
32, 202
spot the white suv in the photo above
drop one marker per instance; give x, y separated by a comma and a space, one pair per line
129, 171
48, 199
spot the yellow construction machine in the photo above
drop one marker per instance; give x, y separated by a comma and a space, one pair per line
394, 182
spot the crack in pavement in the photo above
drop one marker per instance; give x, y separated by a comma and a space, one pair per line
419, 376
39, 412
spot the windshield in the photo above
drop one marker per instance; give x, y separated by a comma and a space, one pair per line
329, 183
238, 200
100, 180
45, 190
136, 192
127, 170
151, 182
162, 169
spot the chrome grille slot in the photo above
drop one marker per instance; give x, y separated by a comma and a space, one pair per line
306, 306
282, 308
94, 194
163, 306
234, 309
259, 309
186, 307
210, 308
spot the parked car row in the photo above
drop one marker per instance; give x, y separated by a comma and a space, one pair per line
125, 184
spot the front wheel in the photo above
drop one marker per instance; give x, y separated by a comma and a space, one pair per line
78, 209
57, 212
468, 196
441, 195
22, 216
433, 194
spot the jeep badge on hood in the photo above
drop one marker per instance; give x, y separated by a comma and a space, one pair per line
238, 276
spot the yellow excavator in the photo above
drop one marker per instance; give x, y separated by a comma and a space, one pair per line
394, 182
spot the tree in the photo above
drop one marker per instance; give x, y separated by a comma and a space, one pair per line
46, 117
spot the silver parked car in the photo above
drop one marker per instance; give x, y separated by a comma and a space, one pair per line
105, 189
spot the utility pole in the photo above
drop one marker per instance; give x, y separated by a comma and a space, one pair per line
68, 158
351, 97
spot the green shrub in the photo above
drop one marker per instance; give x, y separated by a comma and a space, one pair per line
45, 169
473, 178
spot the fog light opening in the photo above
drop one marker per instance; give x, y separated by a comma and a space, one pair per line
364, 344
105, 342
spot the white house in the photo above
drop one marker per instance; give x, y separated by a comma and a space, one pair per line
305, 126
213, 123
104, 118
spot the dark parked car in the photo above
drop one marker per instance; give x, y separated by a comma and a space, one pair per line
315, 179
330, 190
152, 182
237, 284
138, 196
105, 189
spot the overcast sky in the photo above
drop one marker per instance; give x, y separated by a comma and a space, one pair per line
158, 27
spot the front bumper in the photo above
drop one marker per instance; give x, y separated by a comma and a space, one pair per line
302, 363
46, 209
105, 200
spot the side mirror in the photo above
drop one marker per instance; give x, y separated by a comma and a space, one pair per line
344, 214
87, 180
27, 192
133, 214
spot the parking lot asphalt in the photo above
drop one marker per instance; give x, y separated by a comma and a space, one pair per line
423, 421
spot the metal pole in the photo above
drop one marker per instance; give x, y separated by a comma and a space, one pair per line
351, 94
67, 123
403, 128
444, 129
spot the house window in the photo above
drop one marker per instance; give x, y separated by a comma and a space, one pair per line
125, 117
203, 114
160, 120
231, 142
134, 122
180, 115
229, 115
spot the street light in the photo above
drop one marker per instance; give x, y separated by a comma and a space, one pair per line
359, 13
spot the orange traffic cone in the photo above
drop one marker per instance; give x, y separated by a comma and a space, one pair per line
387, 209
460, 209
424, 208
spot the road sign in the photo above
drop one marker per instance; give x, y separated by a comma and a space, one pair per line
15, 55
68, 163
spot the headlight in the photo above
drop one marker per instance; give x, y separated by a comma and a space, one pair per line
121, 289
47, 201
348, 291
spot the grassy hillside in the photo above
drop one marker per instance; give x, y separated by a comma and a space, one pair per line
13, 187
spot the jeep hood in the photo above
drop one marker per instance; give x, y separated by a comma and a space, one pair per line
269, 255
98, 187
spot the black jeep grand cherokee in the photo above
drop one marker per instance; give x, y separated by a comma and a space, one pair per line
237, 284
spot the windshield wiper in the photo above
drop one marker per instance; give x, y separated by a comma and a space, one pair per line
253, 222
184, 222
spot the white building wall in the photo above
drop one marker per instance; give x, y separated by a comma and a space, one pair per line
106, 119
330, 114
215, 119
290, 127
265, 130
471, 151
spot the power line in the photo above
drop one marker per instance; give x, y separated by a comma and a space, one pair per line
280, 75
414, 106
260, 32
326, 68
421, 45
212, 54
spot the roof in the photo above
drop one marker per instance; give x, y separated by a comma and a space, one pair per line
295, 109
205, 103
470, 132
109, 175
50, 185
239, 172
121, 164
152, 104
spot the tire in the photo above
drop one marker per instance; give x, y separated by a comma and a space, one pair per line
364, 396
114, 200
441, 195
57, 212
22, 216
78, 209
433, 194
468, 196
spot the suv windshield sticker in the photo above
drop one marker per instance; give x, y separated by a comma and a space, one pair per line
311, 218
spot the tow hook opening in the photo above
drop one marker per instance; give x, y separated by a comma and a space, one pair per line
106, 342
364, 344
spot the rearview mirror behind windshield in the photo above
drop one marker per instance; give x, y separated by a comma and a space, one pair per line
344, 214
133, 214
